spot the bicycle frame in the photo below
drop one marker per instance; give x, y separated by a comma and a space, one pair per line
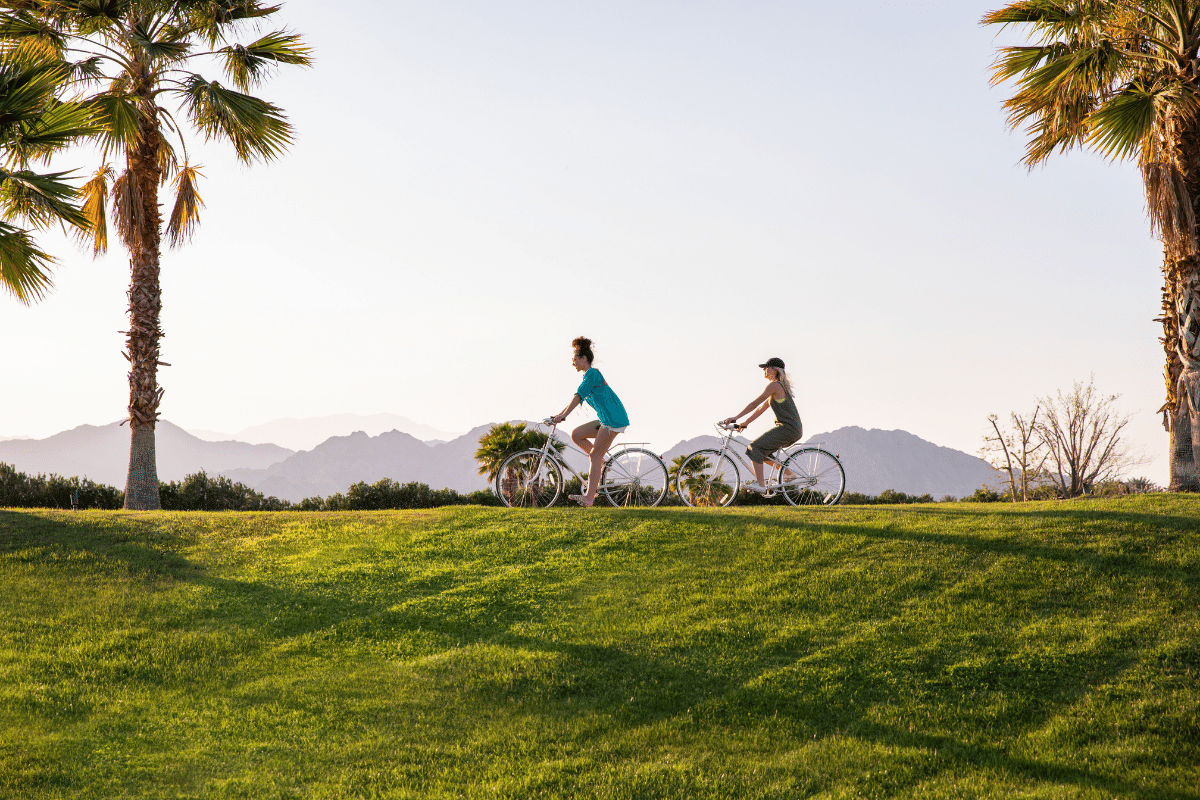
802, 480
779, 456
627, 478
562, 462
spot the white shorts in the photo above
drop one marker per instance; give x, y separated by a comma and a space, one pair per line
614, 430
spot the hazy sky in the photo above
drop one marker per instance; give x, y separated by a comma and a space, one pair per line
697, 186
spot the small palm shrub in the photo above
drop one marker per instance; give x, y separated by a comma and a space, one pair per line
504, 440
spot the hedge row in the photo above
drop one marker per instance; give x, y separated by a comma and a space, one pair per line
203, 492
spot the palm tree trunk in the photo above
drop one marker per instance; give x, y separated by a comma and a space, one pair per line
141, 233
1181, 340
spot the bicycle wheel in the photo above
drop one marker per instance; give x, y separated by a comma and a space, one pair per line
708, 478
819, 479
633, 477
529, 479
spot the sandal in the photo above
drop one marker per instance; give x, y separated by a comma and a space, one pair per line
581, 499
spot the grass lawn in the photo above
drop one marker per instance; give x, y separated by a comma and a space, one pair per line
947, 650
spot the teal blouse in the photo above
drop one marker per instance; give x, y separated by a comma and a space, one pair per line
596, 393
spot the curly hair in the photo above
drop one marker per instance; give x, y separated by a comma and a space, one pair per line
583, 347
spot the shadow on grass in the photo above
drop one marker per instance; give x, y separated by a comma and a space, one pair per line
1141, 533
818, 690
136, 549
685, 689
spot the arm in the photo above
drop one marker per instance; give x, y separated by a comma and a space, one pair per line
754, 416
773, 388
566, 412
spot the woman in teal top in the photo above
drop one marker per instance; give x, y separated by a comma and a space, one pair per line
613, 420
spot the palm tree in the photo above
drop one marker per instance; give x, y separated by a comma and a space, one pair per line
124, 59
33, 126
1122, 77
504, 440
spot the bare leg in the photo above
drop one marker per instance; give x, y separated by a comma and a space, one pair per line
788, 476
583, 433
604, 440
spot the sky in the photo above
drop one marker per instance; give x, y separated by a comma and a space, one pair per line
696, 186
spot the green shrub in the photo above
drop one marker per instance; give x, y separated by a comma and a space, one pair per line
201, 492
18, 490
985, 494
890, 497
388, 494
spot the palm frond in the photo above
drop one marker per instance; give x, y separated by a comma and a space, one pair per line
247, 65
53, 129
1171, 214
38, 199
1036, 12
88, 16
185, 216
25, 90
87, 70
128, 209
26, 37
255, 127
171, 45
95, 204
1119, 127
168, 162
116, 116
210, 18
24, 269
1014, 61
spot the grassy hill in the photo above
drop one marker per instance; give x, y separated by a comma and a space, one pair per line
949, 650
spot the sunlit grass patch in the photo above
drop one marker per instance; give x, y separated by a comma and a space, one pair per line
1048, 650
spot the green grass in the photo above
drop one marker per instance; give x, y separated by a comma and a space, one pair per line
927, 651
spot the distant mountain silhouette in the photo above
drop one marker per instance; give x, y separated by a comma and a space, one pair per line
102, 453
876, 460
307, 433
340, 461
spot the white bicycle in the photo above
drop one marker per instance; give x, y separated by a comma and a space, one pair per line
814, 477
632, 476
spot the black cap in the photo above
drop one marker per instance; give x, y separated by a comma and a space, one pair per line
774, 363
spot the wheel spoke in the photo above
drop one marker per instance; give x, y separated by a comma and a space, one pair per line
529, 480
634, 477
708, 478
819, 478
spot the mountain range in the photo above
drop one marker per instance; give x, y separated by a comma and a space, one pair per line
101, 452
874, 460
307, 433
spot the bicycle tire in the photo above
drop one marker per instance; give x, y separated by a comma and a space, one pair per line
634, 477
820, 481
529, 479
708, 478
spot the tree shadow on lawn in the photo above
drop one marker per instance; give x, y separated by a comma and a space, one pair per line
827, 690
818, 696
1139, 534
826, 694
447, 608
137, 549
818, 687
